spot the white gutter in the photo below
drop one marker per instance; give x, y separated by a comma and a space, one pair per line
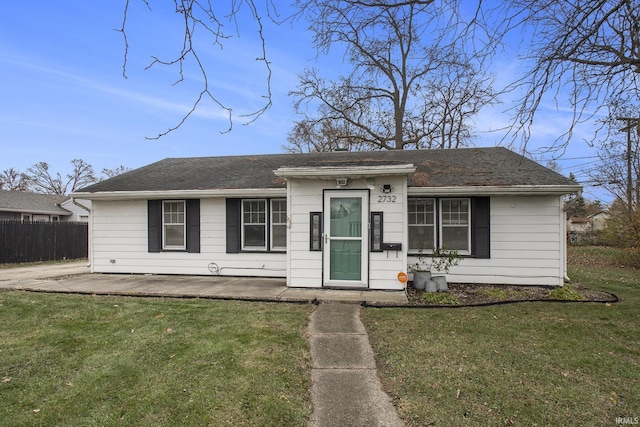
331, 172
182, 194
494, 190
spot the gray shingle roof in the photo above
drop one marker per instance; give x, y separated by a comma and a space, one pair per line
435, 168
22, 201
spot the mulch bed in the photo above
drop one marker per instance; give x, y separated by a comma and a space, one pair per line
481, 294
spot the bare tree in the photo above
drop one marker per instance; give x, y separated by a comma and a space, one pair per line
110, 173
583, 53
40, 179
411, 84
321, 136
12, 180
209, 19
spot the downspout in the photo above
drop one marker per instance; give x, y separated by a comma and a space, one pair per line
568, 206
81, 206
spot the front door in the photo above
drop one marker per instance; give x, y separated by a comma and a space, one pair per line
346, 254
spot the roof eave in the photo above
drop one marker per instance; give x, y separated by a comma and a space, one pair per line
181, 194
62, 212
494, 190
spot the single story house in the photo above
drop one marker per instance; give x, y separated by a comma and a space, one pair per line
27, 206
337, 219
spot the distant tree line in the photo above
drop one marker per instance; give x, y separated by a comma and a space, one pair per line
40, 179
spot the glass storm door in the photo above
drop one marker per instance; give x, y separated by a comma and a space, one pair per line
345, 250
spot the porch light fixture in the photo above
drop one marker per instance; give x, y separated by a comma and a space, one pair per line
386, 188
341, 182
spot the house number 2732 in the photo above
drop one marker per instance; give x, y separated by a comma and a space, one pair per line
386, 199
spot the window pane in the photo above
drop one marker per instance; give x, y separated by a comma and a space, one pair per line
421, 237
254, 236
174, 235
279, 236
455, 238
346, 217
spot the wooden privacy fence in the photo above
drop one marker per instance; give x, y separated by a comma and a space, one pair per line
24, 241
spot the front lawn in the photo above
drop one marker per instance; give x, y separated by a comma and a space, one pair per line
534, 363
107, 361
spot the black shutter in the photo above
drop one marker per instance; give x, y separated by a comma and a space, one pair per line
193, 225
480, 227
154, 225
233, 225
315, 231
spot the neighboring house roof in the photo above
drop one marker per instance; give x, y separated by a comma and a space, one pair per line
24, 202
469, 167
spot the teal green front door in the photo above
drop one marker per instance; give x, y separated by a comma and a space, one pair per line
346, 228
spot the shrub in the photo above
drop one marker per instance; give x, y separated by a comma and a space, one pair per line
565, 293
440, 298
502, 294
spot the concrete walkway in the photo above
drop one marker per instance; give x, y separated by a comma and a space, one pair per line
74, 277
345, 389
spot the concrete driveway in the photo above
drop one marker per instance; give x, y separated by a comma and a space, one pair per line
44, 271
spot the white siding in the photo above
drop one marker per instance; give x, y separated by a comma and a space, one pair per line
119, 244
527, 244
77, 213
527, 240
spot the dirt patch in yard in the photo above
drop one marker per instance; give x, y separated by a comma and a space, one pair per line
479, 294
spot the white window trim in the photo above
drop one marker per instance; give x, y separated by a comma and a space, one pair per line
242, 225
468, 225
184, 227
272, 223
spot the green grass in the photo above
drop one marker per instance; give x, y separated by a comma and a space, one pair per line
107, 361
541, 363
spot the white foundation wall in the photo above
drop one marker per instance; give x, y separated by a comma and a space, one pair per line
118, 244
306, 196
528, 244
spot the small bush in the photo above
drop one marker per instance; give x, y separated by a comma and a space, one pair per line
502, 294
440, 298
565, 293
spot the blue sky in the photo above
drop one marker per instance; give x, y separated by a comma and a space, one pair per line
63, 96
